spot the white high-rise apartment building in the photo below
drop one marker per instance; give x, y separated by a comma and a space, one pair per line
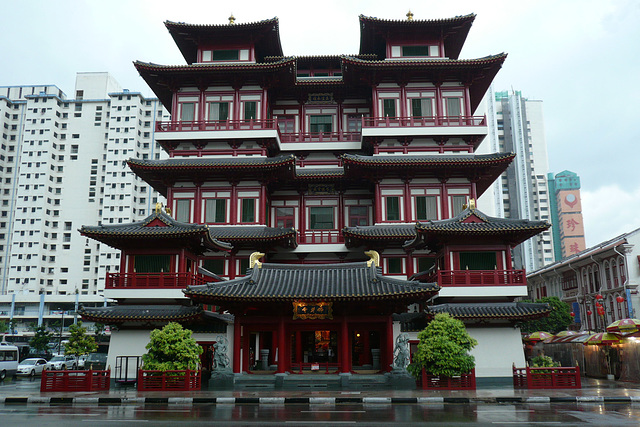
516, 124
63, 165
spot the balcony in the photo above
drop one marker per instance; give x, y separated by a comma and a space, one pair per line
216, 129
320, 237
153, 280
424, 126
457, 278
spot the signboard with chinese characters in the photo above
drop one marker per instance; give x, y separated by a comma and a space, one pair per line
320, 98
311, 310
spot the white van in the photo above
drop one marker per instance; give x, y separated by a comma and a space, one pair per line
8, 360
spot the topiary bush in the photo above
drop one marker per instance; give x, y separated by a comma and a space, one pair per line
443, 349
544, 362
172, 348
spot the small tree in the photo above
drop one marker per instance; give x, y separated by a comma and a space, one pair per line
443, 348
79, 342
99, 330
172, 348
41, 339
558, 320
4, 326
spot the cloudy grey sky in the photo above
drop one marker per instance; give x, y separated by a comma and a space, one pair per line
581, 57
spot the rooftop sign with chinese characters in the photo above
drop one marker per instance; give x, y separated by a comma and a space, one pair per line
312, 310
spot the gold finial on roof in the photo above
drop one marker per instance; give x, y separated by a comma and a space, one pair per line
158, 208
253, 260
409, 15
375, 258
232, 19
472, 203
167, 209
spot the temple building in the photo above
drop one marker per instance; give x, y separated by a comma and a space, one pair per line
319, 206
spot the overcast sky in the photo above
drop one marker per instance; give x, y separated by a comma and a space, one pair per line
580, 57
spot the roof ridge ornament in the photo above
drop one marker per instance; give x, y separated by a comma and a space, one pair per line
409, 15
232, 19
253, 260
374, 258
472, 204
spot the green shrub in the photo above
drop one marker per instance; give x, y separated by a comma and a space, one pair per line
443, 348
544, 362
172, 348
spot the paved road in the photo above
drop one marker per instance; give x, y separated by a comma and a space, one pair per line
323, 415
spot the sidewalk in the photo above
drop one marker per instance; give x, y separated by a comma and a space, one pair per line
593, 391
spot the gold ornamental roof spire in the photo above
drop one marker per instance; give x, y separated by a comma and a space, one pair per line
232, 19
409, 15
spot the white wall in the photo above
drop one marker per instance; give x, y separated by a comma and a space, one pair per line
497, 350
126, 343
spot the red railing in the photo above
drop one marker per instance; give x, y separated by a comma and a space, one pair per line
318, 237
209, 125
547, 378
427, 121
479, 278
436, 382
320, 137
322, 366
153, 280
186, 380
75, 380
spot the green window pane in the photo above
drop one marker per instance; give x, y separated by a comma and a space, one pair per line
389, 107
214, 265
226, 55
152, 263
248, 210
425, 263
321, 218
426, 208
393, 208
421, 107
320, 123
415, 50
250, 110
394, 265
215, 210
219, 111
478, 260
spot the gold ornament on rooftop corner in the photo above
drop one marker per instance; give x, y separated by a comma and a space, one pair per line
253, 260
472, 203
375, 258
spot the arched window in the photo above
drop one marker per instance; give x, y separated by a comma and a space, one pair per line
607, 275
623, 272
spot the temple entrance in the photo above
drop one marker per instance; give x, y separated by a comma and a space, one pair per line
365, 350
314, 351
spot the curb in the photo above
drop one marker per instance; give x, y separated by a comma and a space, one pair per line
266, 401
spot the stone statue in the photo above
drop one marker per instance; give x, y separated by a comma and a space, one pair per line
220, 359
401, 352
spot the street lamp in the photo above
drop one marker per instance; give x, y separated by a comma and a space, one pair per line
61, 326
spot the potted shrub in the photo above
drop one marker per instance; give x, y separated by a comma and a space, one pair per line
442, 359
172, 361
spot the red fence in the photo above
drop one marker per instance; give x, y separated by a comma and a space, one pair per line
427, 121
153, 280
548, 378
75, 380
169, 380
318, 236
436, 382
209, 125
481, 278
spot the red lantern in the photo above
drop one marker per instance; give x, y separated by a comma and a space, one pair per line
620, 299
601, 311
598, 296
572, 314
589, 312
598, 305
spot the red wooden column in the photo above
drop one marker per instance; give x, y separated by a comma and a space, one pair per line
377, 203
237, 344
345, 360
407, 201
282, 356
388, 351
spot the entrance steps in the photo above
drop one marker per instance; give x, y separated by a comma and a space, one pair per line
312, 381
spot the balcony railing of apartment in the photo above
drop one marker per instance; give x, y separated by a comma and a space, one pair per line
477, 278
214, 125
153, 280
426, 121
320, 236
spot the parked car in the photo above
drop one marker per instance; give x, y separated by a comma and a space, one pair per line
81, 361
58, 363
96, 361
32, 366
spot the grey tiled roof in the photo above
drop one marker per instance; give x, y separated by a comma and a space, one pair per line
382, 231
308, 173
249, 162
289, 282
253, 233
425, 160
166, 228
133, 313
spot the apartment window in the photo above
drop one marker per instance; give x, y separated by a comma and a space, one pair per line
183, 207
219, 111
248, 210
421, 107
321, 218
250, 108
215, 210
320, 123
358, 215
426, 208
285, 217
389, 107
393, 208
